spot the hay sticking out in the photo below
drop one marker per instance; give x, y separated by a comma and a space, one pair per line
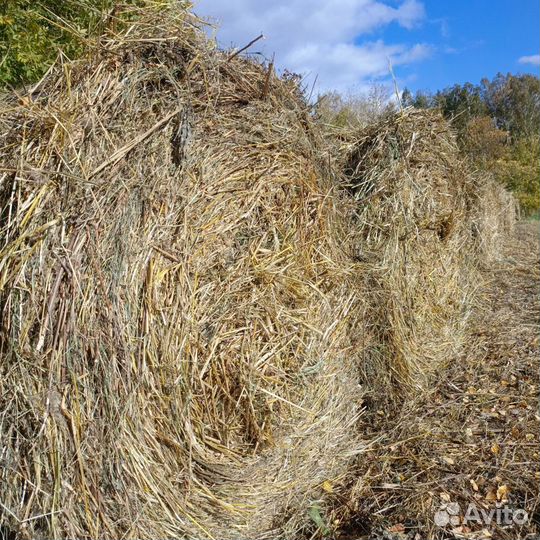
414, 244
189, 301
174, 298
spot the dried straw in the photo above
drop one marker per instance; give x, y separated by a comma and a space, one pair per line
191, 305
414, 244
494, 214
174, 297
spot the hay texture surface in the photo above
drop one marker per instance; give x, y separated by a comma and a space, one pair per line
413, 244
494, 213
192, 306
174, 299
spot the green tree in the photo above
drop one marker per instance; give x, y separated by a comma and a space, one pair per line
484, 142
514, 102
461, 103
32, 33
407, 99
422, 100
520, 172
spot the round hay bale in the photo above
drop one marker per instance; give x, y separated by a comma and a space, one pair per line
413, 241
494, 212
174, 298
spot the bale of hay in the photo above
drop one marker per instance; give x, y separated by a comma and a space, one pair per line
175, 297
413, 243
494, 212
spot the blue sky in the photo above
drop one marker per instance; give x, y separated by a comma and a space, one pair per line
346, 45
471, 39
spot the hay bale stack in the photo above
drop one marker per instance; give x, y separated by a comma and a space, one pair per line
413, 242
186, 299
174, 298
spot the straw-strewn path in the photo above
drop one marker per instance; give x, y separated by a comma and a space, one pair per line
473, 440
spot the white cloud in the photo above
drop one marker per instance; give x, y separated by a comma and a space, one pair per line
320, 37
533, 60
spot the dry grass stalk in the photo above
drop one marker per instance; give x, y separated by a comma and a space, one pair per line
472, 436
414, 244
494, 213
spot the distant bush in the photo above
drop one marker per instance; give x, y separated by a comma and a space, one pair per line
355, 110
484, 142
520, 172
32, 33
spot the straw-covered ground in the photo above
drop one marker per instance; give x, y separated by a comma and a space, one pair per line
473, 438
215, 323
